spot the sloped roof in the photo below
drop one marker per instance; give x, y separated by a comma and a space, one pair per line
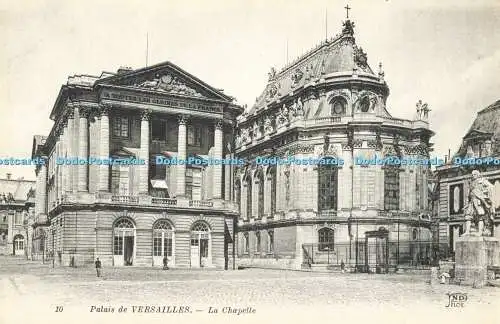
131, 77
17, 187
340, 54
487, 123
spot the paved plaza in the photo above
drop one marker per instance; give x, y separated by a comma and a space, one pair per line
33, 291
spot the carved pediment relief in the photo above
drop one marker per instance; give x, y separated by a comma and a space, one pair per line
167, 82
165, 78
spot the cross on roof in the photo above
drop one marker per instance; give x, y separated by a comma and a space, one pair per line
347, 8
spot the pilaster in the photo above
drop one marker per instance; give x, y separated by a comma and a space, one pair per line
144, 154
217, 168
104, 148
83, 148
181, 155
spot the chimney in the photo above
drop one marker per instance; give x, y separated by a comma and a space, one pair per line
9, 175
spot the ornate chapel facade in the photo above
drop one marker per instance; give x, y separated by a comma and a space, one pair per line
141, 212
330, 104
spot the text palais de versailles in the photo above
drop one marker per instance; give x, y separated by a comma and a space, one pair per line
327, 103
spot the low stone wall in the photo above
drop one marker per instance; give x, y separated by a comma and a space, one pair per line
268, 263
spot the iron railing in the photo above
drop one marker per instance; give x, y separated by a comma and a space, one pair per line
381, 254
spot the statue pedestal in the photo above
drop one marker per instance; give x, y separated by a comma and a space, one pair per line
473, 255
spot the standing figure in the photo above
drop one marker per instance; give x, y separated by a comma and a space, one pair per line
98, 267
165, 263
480, 207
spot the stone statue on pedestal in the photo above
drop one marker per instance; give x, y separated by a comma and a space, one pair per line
480, 208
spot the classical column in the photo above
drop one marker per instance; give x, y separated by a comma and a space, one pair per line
75, 148
217, 169
144, 154
181, 155
104, 149
83, 149
38, 190
68, 170
61, 152
43, 188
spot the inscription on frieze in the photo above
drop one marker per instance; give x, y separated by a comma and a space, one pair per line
181, 104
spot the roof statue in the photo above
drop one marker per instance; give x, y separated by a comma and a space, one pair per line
422, 110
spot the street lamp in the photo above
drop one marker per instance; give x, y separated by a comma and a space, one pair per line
53, 230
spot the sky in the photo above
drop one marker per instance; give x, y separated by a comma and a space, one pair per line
446, 53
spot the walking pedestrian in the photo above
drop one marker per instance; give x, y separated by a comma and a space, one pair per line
165, 263
98, 267
342, 266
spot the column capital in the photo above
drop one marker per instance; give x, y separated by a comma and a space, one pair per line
57, 131
219, 123
84, 112
69, 113
146, 115
104, 109
183, 119
64, 120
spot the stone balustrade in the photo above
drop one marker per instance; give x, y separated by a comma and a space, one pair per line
142, 200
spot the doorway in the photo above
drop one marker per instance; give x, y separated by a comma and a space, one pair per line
123, 243
200, 246
18, 245
376, 251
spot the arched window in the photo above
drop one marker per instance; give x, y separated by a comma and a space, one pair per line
162, 238
327, 187
338, 106
326, 239
249, 196
260, 180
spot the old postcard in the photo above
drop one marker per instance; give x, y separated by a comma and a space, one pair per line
235, 161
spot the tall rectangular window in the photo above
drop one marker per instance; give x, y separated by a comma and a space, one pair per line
273, 191
121, 126
194, 135
391, 188
193, 183
159, 130
327, 177
18, 218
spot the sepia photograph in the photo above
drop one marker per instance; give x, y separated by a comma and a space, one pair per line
249, 161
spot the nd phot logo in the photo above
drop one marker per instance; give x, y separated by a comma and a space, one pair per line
456, 299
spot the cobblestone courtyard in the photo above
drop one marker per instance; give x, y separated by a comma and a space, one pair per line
31, 291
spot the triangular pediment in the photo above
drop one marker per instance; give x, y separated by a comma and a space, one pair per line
477, 133
165, 78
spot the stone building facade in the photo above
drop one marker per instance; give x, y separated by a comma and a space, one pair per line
482, 141
16, 208
330, 104
137, 213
